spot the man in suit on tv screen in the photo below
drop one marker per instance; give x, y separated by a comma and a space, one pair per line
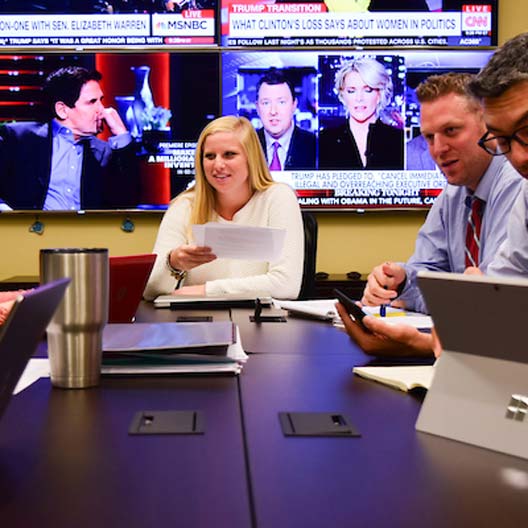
286, 146
60, 164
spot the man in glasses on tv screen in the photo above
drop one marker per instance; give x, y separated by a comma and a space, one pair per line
60, 164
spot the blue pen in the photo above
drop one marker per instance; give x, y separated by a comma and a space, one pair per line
383, 307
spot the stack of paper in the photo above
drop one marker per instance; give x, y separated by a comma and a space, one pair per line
398, 316
162, 348
325, 309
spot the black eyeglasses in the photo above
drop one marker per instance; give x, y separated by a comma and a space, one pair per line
500, 145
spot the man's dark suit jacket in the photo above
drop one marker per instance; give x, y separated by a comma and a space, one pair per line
109, 178
301, 152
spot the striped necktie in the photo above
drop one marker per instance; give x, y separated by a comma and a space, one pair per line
473, 232
275, 164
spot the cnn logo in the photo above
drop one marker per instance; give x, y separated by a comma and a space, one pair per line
473, 21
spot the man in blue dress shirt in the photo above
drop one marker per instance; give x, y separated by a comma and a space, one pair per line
61, 164
451, 124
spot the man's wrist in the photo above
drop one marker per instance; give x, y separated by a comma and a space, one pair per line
401, 286
120, 141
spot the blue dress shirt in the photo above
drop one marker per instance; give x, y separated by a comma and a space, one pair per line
64, 191
441, 240
512, 258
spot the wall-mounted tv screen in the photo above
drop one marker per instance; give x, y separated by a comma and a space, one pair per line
359, 23
162, 100
107, 23
322, 159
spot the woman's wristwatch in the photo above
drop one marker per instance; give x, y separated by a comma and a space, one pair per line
179, 275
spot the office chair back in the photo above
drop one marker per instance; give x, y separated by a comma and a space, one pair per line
310, 255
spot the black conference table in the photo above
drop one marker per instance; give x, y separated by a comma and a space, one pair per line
390, 476
66, 458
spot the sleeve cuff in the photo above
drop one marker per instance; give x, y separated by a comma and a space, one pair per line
120, 141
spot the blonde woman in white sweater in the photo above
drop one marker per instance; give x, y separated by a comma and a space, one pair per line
233, 186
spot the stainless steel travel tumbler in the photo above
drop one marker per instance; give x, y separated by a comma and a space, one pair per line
75, 334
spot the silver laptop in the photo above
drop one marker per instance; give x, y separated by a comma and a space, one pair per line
22, 331
479, 393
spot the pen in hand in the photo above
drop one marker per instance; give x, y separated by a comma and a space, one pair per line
383, 307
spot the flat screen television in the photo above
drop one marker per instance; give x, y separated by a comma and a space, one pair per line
107, 23
401, 175
359, 23
162, 99
188, 88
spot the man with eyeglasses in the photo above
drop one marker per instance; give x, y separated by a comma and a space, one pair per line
503, 88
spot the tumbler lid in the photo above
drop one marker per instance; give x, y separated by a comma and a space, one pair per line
74, 250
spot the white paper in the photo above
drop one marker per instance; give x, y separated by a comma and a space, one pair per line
36, 368
320, 308
220, 368
398, 316
325, 309
240, 242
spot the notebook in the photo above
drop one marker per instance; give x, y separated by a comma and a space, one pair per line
479, 394
172, 348
404, 378
23, 330
185, 302
128, 278
169, 338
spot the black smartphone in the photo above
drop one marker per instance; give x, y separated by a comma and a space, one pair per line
352, 308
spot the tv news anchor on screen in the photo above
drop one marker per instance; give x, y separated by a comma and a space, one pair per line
60, 164
363, 140
286, 145
233, 186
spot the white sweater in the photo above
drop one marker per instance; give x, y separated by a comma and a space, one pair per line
275, 207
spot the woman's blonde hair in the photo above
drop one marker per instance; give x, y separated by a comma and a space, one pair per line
373, 74
259, 174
